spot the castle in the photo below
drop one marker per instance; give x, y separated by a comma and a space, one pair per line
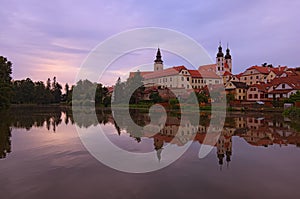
179, 77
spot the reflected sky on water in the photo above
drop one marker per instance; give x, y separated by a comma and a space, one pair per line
257, 155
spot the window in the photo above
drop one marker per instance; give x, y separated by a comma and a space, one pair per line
182, 78
216, 81
255, 96
187, 86
250, 82
283, 85
257, 77
250, 96
251, 77
245, 78
193, 81
170, 79
219, 68
182, 85
187, 79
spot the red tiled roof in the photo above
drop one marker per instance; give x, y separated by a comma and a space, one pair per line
226, 65
261, 87
292, 81
279, 70
179, 68
227, 73
131, 74
209, 74
195, 73
261, 69
239, 75
166, 72
209, 67
281, 91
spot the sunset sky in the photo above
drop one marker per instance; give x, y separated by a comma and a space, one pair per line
52, 38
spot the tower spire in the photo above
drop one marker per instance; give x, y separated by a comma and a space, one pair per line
227, 56
158, 62
220, 52
158, 57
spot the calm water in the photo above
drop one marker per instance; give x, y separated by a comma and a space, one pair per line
257, 156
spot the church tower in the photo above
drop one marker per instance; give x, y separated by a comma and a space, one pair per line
228, 61
220, 61
158, 62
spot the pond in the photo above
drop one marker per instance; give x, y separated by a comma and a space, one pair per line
42, 156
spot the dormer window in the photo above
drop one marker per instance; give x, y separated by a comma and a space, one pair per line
283, 85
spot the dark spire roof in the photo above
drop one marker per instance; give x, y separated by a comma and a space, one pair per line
158, 57
220, 53
227, 56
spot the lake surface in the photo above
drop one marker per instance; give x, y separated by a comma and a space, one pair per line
257, 156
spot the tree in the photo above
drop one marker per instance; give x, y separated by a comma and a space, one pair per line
155, 97
56, 91
230, 97
294, 97
119, 91
135, 87
5, 82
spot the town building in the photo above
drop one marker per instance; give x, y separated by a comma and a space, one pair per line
179, 77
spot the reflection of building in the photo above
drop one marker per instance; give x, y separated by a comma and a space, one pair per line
224, 146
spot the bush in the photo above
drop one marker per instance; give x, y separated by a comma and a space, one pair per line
174, 103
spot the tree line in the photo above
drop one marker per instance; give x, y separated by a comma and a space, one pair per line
27, 91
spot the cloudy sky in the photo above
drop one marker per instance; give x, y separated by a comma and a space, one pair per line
52, 38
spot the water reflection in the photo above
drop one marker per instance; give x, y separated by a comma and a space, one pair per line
255, 129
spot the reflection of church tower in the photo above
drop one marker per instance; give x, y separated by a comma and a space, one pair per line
158, 146
158, 62
224, 147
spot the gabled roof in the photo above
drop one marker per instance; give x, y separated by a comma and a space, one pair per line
261, 87
239, 75
208, 67
179, 68
227, 73
261, 69
209, 74
292, 81
239, 84
166, 72
131, 74
195, 73
226, 65
279, 70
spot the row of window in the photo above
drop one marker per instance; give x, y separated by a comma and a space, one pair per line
165, 79
251, 77
255, 96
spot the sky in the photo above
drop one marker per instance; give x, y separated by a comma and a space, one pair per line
53, 38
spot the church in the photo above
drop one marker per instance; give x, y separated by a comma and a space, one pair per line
179, 77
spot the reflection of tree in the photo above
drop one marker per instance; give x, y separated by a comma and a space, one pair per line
5, 134
28, 117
